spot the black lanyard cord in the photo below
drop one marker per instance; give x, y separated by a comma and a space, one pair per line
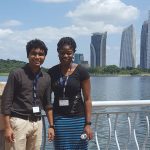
35, 88
63, 81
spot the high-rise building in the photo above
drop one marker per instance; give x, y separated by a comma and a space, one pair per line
145, 45
98, 49
128, 48
78, 58
85, 64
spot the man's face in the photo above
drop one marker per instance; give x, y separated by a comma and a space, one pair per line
36, 57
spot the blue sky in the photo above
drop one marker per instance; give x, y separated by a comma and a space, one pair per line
49, 20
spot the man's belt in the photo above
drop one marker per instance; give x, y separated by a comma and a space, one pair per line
31, 118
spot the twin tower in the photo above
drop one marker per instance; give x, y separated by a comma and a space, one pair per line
127, 49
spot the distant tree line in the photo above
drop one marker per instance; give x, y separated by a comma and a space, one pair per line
113, 69
8, 65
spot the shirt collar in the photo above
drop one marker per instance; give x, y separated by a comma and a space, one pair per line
29, 70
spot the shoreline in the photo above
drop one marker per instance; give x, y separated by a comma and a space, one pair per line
119, 75
4, 74
106, 75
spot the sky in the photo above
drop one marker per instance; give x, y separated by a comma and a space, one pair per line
49, 20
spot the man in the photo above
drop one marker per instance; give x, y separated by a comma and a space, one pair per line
27, 92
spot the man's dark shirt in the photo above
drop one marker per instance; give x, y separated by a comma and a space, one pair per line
18, 93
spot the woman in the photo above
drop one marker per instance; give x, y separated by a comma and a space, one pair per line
72, 114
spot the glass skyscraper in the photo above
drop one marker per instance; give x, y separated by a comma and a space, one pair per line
145, 45
128, 48
98, 49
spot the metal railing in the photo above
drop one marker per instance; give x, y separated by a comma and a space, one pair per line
118, 125
129, 112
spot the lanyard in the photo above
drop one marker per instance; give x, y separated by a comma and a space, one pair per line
64, 83
35, 88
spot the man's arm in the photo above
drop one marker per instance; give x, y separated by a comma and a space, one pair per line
7, 99
8, 95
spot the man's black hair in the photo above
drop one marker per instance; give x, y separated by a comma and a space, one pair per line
36, 43
66, 41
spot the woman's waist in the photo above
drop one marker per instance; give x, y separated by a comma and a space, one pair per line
69, 97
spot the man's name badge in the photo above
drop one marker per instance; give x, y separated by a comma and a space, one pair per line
36, 109
64, 102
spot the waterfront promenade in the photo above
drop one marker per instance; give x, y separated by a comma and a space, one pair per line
117, 125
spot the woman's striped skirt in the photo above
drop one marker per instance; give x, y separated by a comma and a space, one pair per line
67, 133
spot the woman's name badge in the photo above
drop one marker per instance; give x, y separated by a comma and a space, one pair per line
63, 102
36, 109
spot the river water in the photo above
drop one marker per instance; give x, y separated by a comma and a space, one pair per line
117, 88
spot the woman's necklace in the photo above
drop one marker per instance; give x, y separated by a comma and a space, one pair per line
66, 70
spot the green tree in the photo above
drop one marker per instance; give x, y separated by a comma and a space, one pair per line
135, 71
111, 69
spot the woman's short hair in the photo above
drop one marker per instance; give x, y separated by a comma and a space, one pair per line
36, 43
66, 41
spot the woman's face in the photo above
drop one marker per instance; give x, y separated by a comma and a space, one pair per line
66, 54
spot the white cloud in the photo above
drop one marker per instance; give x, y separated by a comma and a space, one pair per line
89, 16
13, 42
11, 23
5, 32
52, 1
103, 15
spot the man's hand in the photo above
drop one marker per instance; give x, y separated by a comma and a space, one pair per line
9, 135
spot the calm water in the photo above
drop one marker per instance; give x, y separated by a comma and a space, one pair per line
117, 88
3, 78
120, 88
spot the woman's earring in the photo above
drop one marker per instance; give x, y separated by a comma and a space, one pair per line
73, 58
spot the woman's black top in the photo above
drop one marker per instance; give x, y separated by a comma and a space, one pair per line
72, 90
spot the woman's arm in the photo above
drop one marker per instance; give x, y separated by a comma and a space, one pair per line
86, 89
51, 132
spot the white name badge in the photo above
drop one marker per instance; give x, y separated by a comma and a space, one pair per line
63, 102
36, 109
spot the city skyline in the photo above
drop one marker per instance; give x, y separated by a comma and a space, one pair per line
22, 21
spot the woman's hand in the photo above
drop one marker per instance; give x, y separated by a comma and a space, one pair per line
51, 134
88, 131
